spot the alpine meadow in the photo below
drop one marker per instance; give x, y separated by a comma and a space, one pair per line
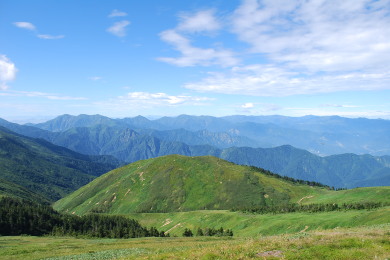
242, 129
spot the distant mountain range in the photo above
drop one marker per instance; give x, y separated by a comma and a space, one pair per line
237, 139
319, 135
36, 169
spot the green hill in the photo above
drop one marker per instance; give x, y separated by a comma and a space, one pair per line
38, 170
179, 183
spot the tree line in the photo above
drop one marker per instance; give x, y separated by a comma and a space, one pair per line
310, 183
19, 217
220, 232
312, 208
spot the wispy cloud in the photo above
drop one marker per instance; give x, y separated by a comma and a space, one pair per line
257, 108
192, 56
38, 94
260, 80
303, 47
117, 13
119, 28
199, 22
25, 25
317, 35
31, 27
248, 105
202, 21
147, 100
7, 71
50, 37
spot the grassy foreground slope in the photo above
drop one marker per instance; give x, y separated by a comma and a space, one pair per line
356, 243
179, 183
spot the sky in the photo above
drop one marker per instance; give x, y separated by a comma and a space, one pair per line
216, 57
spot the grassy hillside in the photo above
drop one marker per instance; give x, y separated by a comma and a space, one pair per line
48, 171
254, 225
180, 183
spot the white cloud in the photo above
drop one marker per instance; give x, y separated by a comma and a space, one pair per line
119, 28
25, 25
202, 21
50, 37
117, 13
7, 71
307, 47
260, 80
161, 98
317, 35
31, 27
192, 56
146, 100
248, 105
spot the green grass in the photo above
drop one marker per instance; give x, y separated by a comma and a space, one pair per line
371, 242
373, 194
252, 225
179, 183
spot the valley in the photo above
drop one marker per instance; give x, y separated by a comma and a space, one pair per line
278, 202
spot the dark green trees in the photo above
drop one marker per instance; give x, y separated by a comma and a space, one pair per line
24, 217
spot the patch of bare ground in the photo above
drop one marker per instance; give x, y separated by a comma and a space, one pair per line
273, 253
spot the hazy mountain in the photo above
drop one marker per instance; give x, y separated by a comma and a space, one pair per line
319, 135
344, 170
65, 122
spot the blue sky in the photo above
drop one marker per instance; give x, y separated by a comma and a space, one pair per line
166, 58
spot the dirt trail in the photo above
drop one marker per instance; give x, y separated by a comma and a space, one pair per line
303, 230
167, 222
169, 230
306, 197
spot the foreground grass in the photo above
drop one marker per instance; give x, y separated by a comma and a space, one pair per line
356, 243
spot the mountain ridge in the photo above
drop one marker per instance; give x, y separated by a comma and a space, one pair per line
44, 170
127, 144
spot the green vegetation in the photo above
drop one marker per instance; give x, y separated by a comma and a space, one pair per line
254, 225
19, 217
179, 183
294, 207
41, 171
369, 242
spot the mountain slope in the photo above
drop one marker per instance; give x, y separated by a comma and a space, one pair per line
180, 183
126, 144
341, 171
65, 122
45, 169
10, 189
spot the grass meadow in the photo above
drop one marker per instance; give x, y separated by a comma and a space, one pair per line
370, 242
